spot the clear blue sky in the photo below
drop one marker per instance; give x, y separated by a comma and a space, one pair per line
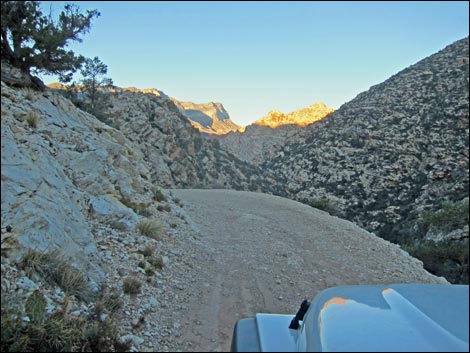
258, 56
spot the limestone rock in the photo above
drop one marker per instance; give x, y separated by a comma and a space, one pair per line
209, 118
59, 174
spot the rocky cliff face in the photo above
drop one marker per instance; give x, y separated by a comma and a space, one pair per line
64, 162
393, 156
264, 138
210, 118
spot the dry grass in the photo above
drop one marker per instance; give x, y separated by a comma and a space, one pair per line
56, 270
35, 262
58, 332
131, 285
72, 282
156, 261
108, 301
147, 251
150, 228
32, 118
139, 208
28, 93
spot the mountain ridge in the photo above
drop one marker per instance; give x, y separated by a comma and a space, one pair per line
264, 138
209, 118
301, 117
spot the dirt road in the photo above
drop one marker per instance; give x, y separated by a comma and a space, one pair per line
261, 253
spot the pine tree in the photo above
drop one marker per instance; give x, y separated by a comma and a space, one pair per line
93, 72
36, 43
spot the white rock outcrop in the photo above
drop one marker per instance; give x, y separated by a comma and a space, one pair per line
59, 167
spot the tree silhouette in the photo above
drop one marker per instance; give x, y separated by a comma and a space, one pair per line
93, 72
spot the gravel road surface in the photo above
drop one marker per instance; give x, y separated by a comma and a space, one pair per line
253, 252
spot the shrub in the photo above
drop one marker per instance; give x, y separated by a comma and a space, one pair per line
131, 285
63, 332
144, 211
452, 215
118, 225
139, 208
321, 204
165, 207
156, 261
178, 202
159, 196
111, 302
447, 258
324, 204
12, 329
58, 332
149, 272
147, 251
150, 228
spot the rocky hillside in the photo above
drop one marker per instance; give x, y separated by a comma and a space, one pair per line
84, 231
177, 153
210, 118
264, 138
86, 225
259, 143
395, 159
